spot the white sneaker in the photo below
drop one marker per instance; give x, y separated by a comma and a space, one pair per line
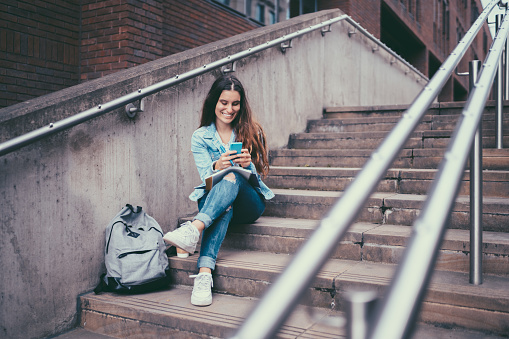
202, 290
185, 237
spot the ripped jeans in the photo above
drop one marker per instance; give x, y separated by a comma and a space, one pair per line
232, 199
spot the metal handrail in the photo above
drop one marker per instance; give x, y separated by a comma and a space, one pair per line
33, 136
400, 306
269, 315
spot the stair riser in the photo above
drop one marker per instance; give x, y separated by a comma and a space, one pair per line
122, 327
489, 126
357, 125
490, 163
331, 126
378, 112
289, 245
346, 143
333, 161
487, 142
496, 220
396, 185
323, 183
456, 261
451, 317
317, 211
318, 295
372, 144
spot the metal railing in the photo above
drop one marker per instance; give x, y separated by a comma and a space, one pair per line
283, 42
395, 317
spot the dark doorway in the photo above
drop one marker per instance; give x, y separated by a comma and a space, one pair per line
401, 40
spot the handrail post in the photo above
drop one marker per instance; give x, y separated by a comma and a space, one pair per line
360, 305
499, 91
506, 69
476, 196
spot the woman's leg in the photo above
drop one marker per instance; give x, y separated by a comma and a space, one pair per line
215, 203
247, 207
215, 225
215, 214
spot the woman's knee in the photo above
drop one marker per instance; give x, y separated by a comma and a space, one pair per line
231, 177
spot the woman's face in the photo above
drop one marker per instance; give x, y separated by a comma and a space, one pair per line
227, 107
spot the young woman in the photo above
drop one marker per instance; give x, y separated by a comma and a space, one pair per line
226, 118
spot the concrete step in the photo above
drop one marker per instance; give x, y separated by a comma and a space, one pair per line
397, 180
493, 159
443, 108
371, 140
450, 298
364, 124
386, 123
489, 123
169, 314
385, 208
369, 242
371, 111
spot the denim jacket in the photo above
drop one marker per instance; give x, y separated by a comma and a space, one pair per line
205, 145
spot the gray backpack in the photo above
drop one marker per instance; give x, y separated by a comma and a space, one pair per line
135, 257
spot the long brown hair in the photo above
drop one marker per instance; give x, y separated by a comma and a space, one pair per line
247, 129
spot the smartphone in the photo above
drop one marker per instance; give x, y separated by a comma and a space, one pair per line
236, 146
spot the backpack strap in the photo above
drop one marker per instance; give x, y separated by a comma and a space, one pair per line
101, 287
138, 208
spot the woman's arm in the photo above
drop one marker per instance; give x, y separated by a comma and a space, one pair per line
203, 156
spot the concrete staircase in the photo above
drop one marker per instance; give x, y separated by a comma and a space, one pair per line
308, 178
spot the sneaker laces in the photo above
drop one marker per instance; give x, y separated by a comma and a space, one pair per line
188, 230
202, 283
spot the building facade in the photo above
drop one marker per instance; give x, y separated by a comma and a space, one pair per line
422, 32
48, 45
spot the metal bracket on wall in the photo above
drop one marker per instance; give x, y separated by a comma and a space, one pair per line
350, 33
460, 74
285, 45
226, 69
131, 110
325, 30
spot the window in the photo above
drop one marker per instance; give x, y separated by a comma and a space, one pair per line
460, 32
272, 17
474, 12
418, 10
260, 13
266, 12
485, 43
299, 7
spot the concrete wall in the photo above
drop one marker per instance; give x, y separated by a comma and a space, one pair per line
59, 193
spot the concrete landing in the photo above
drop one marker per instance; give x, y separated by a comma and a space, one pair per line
169, 314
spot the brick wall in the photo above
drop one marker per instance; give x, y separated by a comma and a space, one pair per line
192, 23
117, 35
344, 5
48, 45
39, 43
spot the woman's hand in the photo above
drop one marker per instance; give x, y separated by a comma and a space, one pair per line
244, 159
224, 160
